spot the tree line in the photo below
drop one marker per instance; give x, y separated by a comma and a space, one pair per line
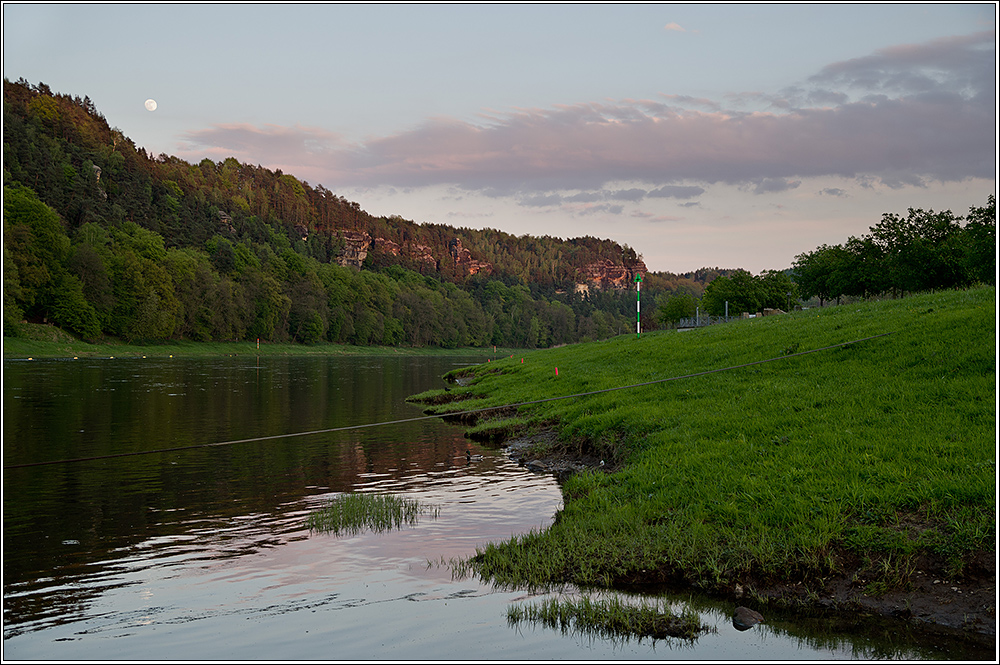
125, 282
923, 250
102, 238
732, 294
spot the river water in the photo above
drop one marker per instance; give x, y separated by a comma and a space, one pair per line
144, 543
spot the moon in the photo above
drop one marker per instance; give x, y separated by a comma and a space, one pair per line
150, 104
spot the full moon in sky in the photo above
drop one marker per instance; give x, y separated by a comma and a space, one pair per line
150, 104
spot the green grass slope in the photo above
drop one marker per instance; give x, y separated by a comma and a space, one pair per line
862, 460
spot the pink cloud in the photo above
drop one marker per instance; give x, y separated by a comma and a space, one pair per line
932, 129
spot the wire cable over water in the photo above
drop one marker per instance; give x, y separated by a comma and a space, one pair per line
442, 415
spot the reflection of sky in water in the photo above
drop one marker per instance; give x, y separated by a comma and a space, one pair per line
263, 575
221, 566
260, 586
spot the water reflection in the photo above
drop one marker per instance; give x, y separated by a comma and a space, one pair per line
203, 553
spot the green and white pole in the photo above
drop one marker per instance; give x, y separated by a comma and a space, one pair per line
638, 284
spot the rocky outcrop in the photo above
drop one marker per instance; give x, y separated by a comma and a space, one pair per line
387, 246
463, 258
601, 275
423, 254
226, 223
357, 245
608, 275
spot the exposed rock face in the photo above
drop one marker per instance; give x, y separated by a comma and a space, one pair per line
226, 223
602, 275
463, 257
424, 254
357, 245
387, 246
607, 274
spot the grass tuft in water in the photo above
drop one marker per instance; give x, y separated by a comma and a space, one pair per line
350, 514
610, 618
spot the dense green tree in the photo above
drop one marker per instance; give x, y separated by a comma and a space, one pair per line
89, 266
777, 290
12, 311
146, 307
70, 309
673, 308
308, 313
271, 307
980, 243
919, 251
38, 245
736, 293
816, 272
924, 250
222, 254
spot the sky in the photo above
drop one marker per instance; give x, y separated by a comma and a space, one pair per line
700, 135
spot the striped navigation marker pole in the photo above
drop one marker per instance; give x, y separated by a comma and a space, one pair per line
638, 284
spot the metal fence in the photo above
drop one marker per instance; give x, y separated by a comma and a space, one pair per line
701, 321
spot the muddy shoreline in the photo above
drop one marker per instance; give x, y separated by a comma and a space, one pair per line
965, 607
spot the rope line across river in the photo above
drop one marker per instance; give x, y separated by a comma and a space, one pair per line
441, 415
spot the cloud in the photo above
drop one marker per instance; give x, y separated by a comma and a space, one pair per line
594, 209
542, 200
957, 65
772, 185
677, 192
468, 215
634, 194
673, 27
654, 218
903, 116
686, 101
273, 140
553, 199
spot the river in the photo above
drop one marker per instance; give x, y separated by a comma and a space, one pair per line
141, 542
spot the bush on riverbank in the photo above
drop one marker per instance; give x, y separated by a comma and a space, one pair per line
866, 461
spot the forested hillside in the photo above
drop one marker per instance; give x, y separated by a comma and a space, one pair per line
103, 239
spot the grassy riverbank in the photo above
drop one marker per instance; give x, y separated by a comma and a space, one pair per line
835, 478
42, 341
